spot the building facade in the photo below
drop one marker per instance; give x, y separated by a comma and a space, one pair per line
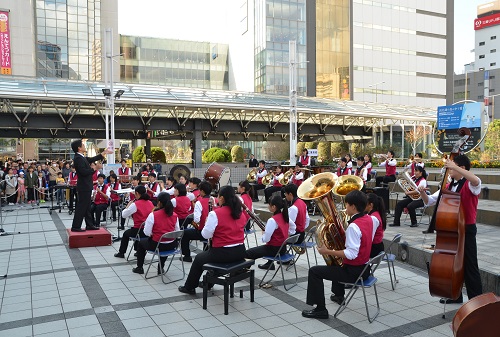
487, 29
175, 63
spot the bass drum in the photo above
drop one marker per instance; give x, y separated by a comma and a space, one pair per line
217, 176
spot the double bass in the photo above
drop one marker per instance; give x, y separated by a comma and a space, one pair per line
477, 317
446, 271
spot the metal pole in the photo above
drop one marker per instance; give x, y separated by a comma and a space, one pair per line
293, 100
106, 85
109, 55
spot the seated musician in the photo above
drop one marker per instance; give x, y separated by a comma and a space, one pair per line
278, 228
368, 164
417, 161
376, 207
139, 209
194, 192
124, 170
244, 189
182, 204
153, 187
298, 174
135, 182
96, 173
304, 159
183, 180
201, 209
261, 173
359, 238
390, 169
343, 170
297, 211
361, 171
349, 162
114, 185
409, 203
469, 186
101, 196
275, 184
225, 226
169, 186
162, 220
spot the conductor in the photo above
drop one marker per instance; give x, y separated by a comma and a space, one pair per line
84, 185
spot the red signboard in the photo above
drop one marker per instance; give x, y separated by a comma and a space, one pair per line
487, 21
5, 56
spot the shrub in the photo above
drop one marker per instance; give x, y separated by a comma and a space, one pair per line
216, 154
237, 154
158, 154
323, 151
138, 156
300, 147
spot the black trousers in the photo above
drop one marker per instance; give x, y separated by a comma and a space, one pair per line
377, 248
268, 192
385, 180
411, 205
255, 190
114, 207
96, 211
130, 233
263, 250
213, 255
189, 234
31, 193
149, 244
472, 277
72, 198
52, 183
336, 274
83, 210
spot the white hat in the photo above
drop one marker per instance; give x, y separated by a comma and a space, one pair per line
21, 173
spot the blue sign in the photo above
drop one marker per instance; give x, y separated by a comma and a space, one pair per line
459, 115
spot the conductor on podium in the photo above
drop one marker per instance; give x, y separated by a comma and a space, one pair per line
84, 185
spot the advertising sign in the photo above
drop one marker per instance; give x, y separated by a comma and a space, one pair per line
312, 152
5, 57
487, 21
452, 117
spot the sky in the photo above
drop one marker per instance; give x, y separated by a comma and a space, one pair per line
203, 20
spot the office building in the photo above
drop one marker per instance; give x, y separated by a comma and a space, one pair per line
487, 28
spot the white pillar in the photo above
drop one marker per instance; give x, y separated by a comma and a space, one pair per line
109, 59
293, 100
402, 140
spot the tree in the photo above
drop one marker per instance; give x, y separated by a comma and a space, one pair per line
339, 149
300, 146
416, 136
276, 150
158, 154
216, 154
323, 151
492, 140
237, 154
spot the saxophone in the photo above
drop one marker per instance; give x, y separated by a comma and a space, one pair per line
330, 231
408, 185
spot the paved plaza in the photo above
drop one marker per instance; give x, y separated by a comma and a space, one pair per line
51, 290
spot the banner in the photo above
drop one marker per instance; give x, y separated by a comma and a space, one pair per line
452, 117
5, 56
487, 21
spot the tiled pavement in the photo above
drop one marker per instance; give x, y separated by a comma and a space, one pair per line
51, 290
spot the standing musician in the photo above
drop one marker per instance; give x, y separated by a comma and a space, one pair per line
297, 211
153, 188
376, 207
124, 170
139, 209
131, 196
202, 207
162, 220
368, 165
359, 238
225, 226
390, 169
261, 173
361, 171
416, 161
275, 182
182, 204
409, 203
114, 185
469, 186
278, 228
101, 196
343, 170
304, 158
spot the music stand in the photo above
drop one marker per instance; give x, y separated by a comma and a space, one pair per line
120, 205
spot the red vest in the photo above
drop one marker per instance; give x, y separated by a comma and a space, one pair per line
73, 178
365, 224
94, 176
468, 202
343, 173
229, 231
151, 194
280, 234
276, 182
204, 211
379, 232
300, 222
390, 170
124, 171
259, 180
99, 198
369, 169
304, 160
296, 181
247, 200
196, 194
144, 208
163, 224
182, 206
115, 196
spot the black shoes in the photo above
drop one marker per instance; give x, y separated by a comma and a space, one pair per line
210, 285
120, 255
186, 258
77, 230
459, 300
315, 313
92, 228
337, 299
427, 231
122, 228
268, 264
414, 225
185, 290
394, 225
255, 200
138, 270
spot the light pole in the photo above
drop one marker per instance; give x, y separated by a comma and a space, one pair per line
376, 90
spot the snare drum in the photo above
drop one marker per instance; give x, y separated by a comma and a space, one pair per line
217, 175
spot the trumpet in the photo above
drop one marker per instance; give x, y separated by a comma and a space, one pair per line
380, 155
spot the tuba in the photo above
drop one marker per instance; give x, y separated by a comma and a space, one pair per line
330, 232
408, 185
286, 177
